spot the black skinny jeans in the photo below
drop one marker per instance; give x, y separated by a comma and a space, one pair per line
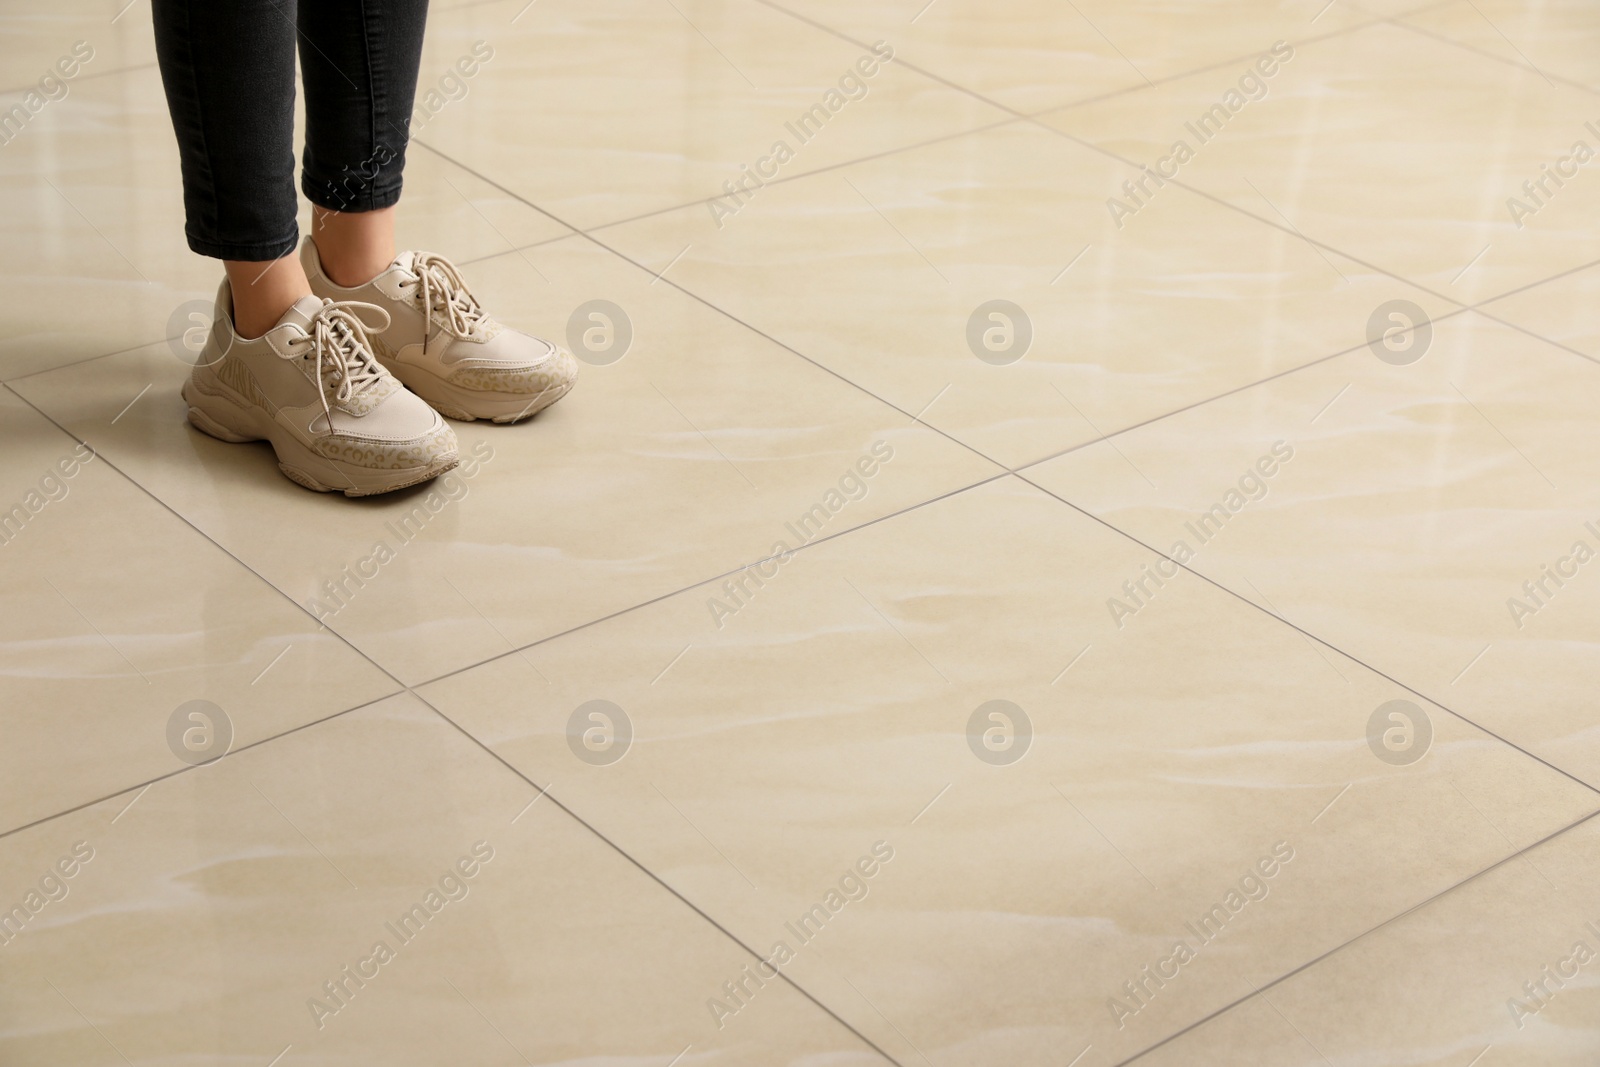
228, 68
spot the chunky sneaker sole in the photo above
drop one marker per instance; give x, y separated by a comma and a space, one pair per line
312, 388
216, 410
469, 405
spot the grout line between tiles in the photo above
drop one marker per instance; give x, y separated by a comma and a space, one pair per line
1307, 633
85, 359
715, 578
596, 241
411, 691
1109, 154
653, 876
1399, 22
574, 231
782, 180
704, 915
11, 831
697, 298
1358, 937
1013, 118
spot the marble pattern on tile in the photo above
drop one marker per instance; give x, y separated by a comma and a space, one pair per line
1392, 147
1456, 979
233, 914
1555, 38
883, 272
117, 613
788, 723
1561, 311
772, 748
79, 39
1093, 48
1416, 527
682, 460
639, 106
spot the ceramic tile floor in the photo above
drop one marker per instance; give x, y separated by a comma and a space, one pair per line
1195, 664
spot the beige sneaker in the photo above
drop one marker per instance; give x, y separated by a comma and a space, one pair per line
444, 347
311, 387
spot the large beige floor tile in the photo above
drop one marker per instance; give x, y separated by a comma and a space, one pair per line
604, 112
92, 221
882, 272
1385, 144
1558, 38
114, 35
1414, 509
116, 615
1030, 55
682, 460
1457, 979
831, 711
212, 912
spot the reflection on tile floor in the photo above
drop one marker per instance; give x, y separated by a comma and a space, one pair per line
1004, 607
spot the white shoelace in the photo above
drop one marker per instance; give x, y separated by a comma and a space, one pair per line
338, 334
444, 295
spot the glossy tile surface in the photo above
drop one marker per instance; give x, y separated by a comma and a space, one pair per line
97, 657
681, 461
1058, 618
1447, 982
1009, 53
1167, 757
1400, 149
508, 932
1111, 325
1419, 501
1549, 38
662, 103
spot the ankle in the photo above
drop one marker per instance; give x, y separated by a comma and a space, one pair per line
354, 272
354, 247
263, 292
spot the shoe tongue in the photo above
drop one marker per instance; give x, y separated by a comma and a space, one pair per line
405, 261
302, 311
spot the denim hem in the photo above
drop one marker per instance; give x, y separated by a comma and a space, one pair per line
256, 252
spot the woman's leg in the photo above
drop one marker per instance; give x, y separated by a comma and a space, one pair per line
355, 246
440, 341
359, 62
310, 386
228, 69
